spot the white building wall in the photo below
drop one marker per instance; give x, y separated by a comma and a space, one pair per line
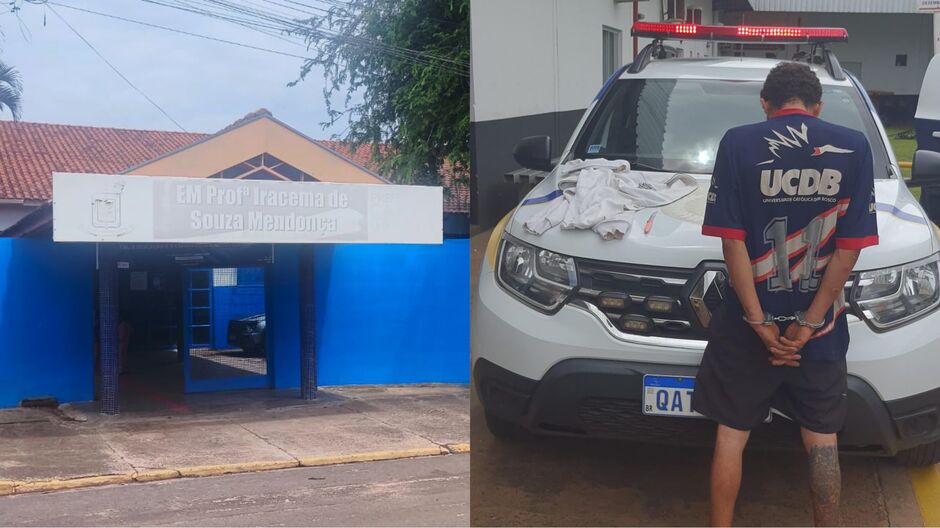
874, 41
533, 57
936, 33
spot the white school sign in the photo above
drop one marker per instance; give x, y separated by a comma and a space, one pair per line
118, 208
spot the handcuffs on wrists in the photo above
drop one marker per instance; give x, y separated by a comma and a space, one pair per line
799, 317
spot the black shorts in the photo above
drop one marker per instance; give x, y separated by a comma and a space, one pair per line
736, 386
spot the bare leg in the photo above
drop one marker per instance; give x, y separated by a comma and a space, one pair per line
726, 473
825, 477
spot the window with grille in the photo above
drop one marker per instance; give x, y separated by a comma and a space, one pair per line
225, 277
675, 9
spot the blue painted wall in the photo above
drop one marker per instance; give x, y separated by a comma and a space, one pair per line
393, 313
46, 320
385, 314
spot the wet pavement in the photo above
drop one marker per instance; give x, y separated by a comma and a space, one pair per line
578, 482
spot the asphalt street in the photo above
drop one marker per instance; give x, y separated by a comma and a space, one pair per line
431, 491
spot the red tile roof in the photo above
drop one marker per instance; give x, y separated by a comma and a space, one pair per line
31, 152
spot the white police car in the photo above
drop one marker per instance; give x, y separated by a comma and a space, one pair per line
576, 335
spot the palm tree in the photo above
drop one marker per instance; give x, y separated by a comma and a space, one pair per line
11, 89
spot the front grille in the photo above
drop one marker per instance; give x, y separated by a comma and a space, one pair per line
618, 418
598, 279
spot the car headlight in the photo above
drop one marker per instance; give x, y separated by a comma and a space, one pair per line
540, 277
892, 296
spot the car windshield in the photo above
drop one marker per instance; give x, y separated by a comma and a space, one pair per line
676, 125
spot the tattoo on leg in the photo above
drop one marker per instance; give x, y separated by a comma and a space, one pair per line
826, 484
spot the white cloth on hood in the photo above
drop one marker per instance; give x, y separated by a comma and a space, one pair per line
604, 195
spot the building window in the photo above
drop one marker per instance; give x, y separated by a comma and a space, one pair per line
900, 60
675, 9
693, 15
225, 277
612, 44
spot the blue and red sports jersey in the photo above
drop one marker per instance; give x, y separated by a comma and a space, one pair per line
794, 188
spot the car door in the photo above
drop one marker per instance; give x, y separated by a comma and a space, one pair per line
927, 117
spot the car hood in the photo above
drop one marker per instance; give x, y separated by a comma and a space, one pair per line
671, 235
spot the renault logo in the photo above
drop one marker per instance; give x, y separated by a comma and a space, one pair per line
707, 289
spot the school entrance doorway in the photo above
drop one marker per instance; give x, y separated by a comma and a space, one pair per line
192, 318
224, 322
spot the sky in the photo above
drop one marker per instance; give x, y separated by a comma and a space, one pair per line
203, 85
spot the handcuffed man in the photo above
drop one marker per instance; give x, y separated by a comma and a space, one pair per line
792, 199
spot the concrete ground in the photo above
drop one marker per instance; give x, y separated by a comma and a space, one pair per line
430, 491
230, 428
575, 482
543, 481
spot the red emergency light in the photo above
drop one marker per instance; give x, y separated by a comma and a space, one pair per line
780, 34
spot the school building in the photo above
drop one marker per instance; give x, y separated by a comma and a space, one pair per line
151, 321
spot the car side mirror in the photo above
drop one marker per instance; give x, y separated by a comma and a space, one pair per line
925, 168
534, 152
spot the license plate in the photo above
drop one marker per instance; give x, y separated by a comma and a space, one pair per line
668, 396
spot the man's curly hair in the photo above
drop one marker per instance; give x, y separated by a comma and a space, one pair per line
791, 80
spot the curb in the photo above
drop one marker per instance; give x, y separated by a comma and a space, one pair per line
7, 487
241, 467
926, 481
459, 448
64, 484
372, 457
152, 475
16, 487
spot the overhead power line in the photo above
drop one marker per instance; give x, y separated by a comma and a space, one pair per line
243, 14
274, 24
182, 32
116, 70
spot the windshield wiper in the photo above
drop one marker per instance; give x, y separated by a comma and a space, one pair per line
633, 163
641, 165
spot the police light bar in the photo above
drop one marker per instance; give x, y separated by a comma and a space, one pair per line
663, 31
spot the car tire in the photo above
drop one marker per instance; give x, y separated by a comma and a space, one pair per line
922, 455
503, 429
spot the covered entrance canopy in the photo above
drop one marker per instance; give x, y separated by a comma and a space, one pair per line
252, 196
113, 210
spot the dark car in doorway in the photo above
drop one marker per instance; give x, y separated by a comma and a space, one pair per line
248, 333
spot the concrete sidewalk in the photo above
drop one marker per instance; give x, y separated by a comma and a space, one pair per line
227, 432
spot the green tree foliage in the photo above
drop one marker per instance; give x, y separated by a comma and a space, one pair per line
398, 72
11, 89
